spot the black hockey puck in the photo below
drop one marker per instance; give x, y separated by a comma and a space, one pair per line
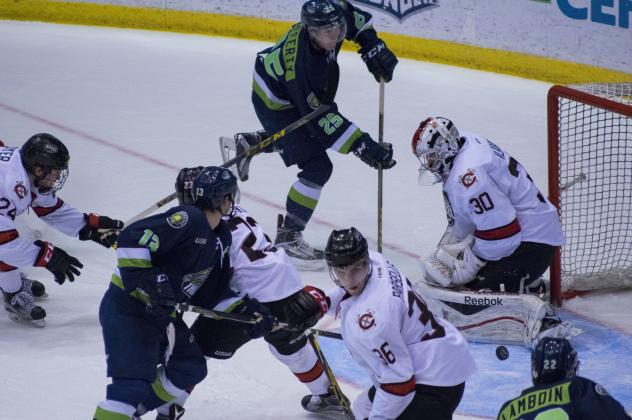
502, 353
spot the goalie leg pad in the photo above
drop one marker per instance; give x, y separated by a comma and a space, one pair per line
501, 318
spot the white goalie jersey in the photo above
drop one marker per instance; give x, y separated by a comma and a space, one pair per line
16, 196
490, 195
391, 333
260, 270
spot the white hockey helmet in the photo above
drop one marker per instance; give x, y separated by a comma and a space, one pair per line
435, 143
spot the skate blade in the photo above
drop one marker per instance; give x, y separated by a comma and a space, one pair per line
308, 265
18, 319
44, 296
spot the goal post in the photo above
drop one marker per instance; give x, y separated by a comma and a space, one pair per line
590, 182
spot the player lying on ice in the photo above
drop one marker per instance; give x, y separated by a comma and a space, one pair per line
485, 275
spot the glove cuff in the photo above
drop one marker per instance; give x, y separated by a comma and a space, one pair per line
92, 220
45, 254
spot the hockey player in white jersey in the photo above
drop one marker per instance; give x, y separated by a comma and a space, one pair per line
502, 231
418, 363
30, 177
264, 273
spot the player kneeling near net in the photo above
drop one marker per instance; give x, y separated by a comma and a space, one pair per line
501, 237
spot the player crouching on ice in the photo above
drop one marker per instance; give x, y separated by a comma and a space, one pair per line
30, 177
501, 237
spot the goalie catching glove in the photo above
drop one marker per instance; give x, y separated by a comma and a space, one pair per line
453, 265
100, 229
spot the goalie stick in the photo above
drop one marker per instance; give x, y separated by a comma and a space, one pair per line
258, 148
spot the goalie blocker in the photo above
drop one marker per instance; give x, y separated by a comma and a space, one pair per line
495, 317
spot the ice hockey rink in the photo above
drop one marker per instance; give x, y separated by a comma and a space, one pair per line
135, 106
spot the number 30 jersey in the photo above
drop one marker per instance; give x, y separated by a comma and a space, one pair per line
391, 333
260, 270
490, 195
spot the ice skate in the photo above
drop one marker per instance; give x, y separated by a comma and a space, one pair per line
302, 254
175, 412
21, 309
238, 145
321, 403
34, 287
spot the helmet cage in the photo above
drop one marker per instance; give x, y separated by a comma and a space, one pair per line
436, 144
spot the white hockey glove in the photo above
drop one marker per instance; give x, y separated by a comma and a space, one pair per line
453, 265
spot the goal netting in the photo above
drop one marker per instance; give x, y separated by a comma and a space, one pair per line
590, 181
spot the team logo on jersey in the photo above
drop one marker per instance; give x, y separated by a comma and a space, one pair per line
178, 219
312, 100
468, 179
20, 190
601, 390
402, 8
366, 320
192, 282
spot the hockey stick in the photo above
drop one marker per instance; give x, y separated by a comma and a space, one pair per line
258, 148
245, 319
340, 396
380, 171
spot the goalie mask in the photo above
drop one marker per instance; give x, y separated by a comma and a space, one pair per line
552, 360
347, 255
435, 143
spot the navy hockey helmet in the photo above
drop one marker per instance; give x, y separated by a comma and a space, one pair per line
436, 143
553, 359
325, 22
184, 184
211, 187
47, 152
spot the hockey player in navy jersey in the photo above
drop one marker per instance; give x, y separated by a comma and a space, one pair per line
30, 177
177, 256
557, 391
264, 272
417, 363
291, 79
501, 237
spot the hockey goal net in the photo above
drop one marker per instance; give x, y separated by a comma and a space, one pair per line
590, 182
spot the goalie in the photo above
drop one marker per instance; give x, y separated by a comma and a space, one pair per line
501, 237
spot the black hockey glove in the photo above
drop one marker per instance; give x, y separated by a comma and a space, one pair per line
376, 155
379, 59
58, 262
162, 298
184, 184
305, 308
100, 229
264, 320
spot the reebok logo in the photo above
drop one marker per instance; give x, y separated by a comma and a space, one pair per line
468, 300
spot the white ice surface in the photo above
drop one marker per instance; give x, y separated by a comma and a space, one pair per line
135, 106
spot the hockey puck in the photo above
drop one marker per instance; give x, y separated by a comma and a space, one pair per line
502, 353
